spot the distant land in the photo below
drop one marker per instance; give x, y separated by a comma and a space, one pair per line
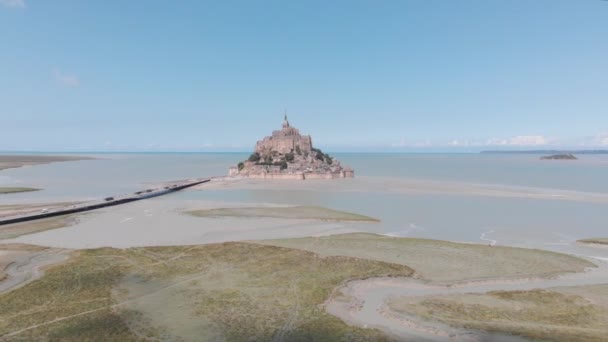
552, 152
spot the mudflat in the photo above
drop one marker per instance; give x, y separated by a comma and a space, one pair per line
14, 161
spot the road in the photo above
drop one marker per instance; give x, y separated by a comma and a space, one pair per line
106, 202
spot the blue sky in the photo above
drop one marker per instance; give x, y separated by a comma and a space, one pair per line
416, 75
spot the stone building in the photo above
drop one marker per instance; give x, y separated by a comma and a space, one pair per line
286, 154
284, 141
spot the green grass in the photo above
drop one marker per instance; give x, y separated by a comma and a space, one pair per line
297, 212
231, 291
12, 190
536, 314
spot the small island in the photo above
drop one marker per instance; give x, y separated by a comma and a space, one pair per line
563, 156
287, 154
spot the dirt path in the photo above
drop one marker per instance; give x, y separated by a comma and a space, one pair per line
366, 303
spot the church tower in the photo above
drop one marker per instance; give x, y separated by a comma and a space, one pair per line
285, 122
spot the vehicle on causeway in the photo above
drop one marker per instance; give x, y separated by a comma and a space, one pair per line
106, 202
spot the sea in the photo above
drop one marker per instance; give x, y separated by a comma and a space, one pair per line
464, 216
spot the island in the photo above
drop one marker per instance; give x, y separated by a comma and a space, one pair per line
563, 156
287, 154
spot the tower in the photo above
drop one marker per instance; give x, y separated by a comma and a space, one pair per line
285, 121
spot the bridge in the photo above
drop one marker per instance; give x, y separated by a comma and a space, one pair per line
106, 202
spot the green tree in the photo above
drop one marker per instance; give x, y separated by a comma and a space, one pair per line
298, 150
289, 157
241, 166
254, 157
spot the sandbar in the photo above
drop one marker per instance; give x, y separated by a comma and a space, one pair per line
295, 212
14, 161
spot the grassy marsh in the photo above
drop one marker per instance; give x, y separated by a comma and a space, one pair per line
441, 261
559, 314
297, 212
232, 291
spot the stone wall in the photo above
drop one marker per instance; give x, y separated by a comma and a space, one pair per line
302, 175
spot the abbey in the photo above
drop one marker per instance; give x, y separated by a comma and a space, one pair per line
284, 141
286, 154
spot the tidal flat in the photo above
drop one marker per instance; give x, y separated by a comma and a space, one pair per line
231, 291
236, 291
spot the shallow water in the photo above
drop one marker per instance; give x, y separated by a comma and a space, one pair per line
458, 216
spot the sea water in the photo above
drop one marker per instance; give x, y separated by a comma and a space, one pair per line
549, 224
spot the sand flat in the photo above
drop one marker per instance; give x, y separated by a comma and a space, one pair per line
284, 212
407, 186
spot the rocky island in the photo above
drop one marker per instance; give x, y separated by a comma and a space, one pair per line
287, 154
563, 156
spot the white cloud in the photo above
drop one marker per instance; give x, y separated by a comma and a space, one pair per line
405, 143
13, 3
528, 140
457, 142
65, 79
519, 140
600, 140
